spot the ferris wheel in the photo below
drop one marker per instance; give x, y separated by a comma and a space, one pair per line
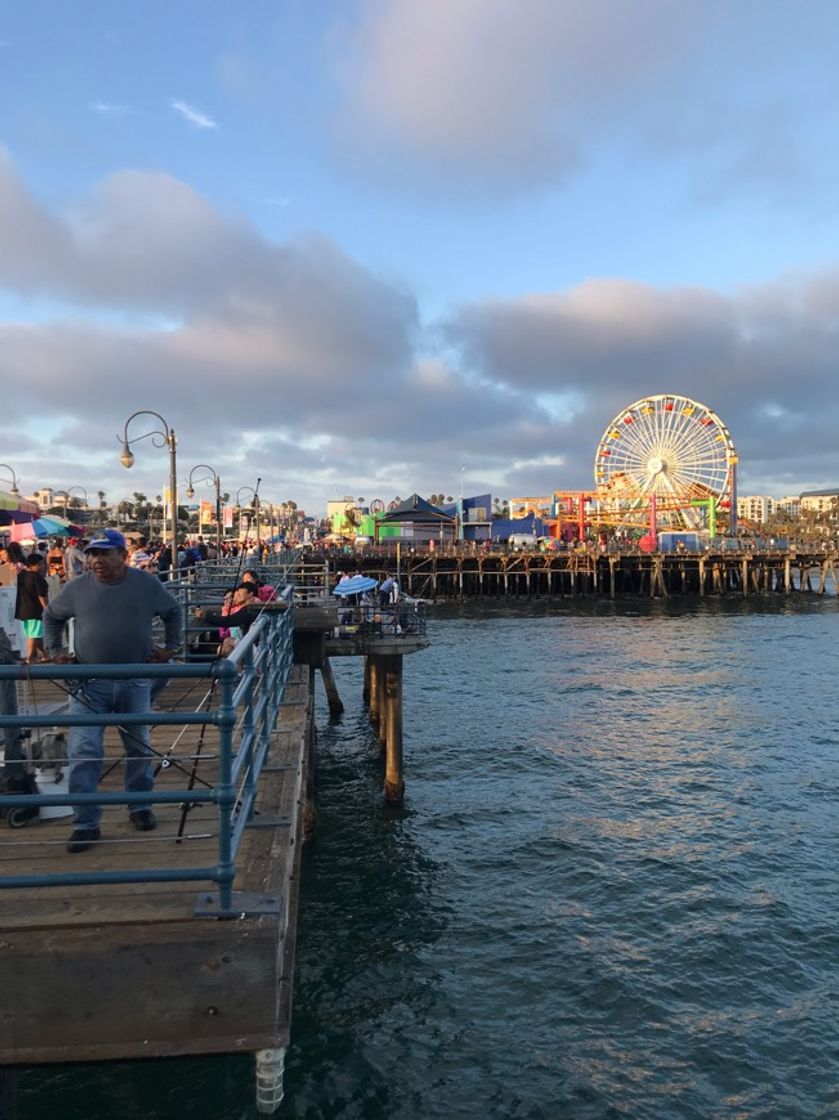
668, 448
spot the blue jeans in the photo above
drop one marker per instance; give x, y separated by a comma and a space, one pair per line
86, 749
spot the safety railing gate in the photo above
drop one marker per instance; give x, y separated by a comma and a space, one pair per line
248, 691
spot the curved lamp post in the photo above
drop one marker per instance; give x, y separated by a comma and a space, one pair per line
255, 494
190, 492
14, 490
163, 438
69, 488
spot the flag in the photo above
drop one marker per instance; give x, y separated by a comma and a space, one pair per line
205, 512
227, 517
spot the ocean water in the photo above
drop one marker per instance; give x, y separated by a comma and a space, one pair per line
612, 890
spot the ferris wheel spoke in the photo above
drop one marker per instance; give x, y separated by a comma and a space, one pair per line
693, 439
635, 443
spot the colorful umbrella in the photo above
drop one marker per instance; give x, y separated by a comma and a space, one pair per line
43, 527
14, 508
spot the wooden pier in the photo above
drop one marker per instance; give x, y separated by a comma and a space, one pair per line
318, 638
148, 969
439, 575
129, 970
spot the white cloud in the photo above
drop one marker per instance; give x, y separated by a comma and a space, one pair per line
504, 95
106, 109
193, 116
475, 99
294, 360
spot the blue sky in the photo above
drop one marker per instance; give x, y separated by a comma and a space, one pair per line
354, 246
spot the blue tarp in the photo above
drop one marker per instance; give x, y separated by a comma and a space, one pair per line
506, 527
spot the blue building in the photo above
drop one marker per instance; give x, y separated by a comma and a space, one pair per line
474, 517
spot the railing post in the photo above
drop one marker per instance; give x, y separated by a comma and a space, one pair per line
248, 734
226, 796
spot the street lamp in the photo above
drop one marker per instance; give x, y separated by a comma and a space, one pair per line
163, 438
211, 477
69, 488
14, 490
255, 494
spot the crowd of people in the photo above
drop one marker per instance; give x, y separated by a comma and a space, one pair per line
40, 573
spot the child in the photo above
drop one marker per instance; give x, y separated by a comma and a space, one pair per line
32, 596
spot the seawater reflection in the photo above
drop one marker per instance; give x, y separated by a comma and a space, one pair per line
612, 891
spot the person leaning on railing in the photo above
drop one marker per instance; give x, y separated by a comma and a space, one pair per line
113, 607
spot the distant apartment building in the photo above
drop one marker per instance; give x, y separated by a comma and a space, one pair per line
820, 501
755, 507
527, 507
790, 505
44, 497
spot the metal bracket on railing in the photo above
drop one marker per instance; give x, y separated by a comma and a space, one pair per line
243, 904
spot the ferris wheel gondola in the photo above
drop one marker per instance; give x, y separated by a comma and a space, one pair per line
666, 449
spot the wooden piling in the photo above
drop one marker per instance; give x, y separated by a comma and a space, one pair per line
375, 710
336, 705
365, 695
381, 688
394, 779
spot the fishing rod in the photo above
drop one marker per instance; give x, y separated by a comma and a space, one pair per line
76, 693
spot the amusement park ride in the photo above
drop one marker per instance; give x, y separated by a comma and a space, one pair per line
664, 463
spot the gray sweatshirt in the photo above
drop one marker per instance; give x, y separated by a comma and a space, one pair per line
113, 621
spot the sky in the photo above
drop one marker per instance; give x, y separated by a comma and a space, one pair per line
373, 247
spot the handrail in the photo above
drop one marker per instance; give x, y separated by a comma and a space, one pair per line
252, 679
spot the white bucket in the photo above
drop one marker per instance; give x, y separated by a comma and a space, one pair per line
48, 785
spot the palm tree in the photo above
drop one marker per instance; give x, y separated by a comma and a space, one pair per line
140, 506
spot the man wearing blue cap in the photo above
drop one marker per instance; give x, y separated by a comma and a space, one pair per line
113, 607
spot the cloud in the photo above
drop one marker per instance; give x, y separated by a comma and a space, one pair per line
106, 109
293, 361
167, 303
193, 116
605, 343
476, 99
504, 96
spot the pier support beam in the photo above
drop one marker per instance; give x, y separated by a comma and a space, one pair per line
365, 696
381, 686
336, 705
375, 694
394, 780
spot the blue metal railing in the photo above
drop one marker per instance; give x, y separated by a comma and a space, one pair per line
250, 684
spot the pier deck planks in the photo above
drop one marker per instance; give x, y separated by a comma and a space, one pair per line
115, 971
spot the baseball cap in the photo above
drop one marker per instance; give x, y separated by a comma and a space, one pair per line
107, 538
